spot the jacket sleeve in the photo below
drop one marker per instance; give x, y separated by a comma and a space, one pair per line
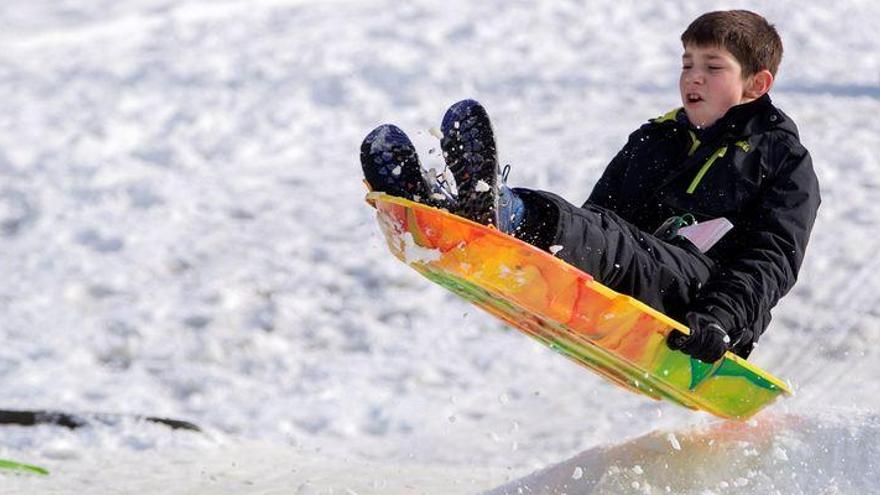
761, 261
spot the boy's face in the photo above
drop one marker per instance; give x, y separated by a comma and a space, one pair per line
711, 83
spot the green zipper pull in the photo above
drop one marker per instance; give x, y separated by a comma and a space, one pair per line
695, 143
705, 168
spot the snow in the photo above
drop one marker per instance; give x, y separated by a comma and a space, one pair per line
413, 253
184, 235
779, 453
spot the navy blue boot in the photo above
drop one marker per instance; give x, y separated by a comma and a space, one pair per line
468, 146
391, 165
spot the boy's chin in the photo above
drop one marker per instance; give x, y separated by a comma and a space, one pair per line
699, 119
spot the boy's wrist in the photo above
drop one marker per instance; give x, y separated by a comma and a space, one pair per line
724, 318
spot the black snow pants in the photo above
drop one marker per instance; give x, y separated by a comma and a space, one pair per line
663, 275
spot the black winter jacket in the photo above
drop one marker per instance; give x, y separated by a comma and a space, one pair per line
749, 167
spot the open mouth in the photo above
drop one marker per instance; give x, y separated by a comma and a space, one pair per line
693, 98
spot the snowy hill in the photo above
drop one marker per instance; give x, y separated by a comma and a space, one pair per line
184, 235
821, 453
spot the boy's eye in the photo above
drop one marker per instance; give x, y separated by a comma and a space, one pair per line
686, 66
715, 67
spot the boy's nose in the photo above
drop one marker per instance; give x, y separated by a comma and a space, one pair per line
695, 77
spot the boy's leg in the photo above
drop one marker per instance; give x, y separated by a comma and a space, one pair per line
614, 252
663, 275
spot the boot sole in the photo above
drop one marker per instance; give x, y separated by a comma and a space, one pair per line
390, 162
468, 146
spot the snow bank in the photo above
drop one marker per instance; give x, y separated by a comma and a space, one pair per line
832, 452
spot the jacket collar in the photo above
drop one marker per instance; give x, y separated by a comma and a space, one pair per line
737, 124
740, 121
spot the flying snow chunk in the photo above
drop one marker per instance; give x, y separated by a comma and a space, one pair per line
482, 186
555, 249
397, 170
674, 441
780, 454
413, 253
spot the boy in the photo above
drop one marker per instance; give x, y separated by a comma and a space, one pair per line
728, 152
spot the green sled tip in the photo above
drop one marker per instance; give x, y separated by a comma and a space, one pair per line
21, 467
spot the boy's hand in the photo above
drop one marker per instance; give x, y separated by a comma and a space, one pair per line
707, 342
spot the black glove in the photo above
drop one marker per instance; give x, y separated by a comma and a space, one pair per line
707, 341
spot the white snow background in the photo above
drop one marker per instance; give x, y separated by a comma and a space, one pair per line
183, 234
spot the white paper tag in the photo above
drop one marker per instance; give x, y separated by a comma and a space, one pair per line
704, 235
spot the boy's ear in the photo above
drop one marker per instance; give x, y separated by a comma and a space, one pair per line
759, 84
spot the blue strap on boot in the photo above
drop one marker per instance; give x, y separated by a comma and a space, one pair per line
511, 209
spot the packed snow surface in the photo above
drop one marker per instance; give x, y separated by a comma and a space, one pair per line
184, 234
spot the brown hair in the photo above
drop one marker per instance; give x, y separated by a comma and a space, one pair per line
752, 40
